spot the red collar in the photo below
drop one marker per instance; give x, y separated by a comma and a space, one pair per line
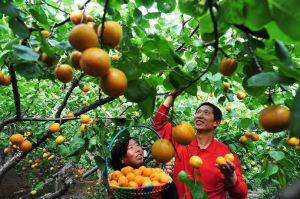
210, 148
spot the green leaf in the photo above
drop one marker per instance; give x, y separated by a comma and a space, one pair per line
282, 177
176, 57
137, 90
283, 54
148, 3
277, 155
149, 45
100, 163
39, 15
50, 51
205, 24
192, 90
194, 8
8, 8
28, 70
65, 45
40, 186
287, 16
232, 11
295, 116
268, 79
19, 28
26, 53
297, 49
257, 14
276, 33
232, 147
250, 145
92, 143
153, 66
196, 187
166, 6
76, 144
254, 91
137, 15
68, 3
271, 170
63, 150
287, 163
230, 97
250, 69
147, 106
164, 50
152, 15
138, 31
177, 80
274, 141
245, 123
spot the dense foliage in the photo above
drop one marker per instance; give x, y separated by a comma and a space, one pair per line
166, 45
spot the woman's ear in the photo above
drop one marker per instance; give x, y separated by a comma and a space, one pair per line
122, 161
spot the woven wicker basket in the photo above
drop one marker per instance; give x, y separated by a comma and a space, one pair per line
146, 192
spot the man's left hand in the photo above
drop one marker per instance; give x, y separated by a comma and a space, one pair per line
228, 169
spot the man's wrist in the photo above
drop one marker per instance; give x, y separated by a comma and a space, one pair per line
231, 180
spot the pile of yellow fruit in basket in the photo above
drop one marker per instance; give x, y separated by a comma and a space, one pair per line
129, 177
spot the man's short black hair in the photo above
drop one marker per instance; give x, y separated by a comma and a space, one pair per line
216, 111
118, 151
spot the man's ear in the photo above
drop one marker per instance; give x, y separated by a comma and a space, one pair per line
217, 123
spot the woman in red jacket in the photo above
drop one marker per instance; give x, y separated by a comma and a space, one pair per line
217, 180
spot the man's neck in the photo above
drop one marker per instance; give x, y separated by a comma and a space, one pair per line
204, 139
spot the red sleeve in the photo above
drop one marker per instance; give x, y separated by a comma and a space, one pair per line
160, 122
239, 190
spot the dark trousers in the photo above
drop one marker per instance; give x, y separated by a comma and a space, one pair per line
170, 193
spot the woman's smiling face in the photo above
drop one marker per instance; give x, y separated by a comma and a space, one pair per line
134, 156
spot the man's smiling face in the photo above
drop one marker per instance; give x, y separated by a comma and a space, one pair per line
204, 119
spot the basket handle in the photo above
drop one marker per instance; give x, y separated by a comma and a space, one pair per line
105, 173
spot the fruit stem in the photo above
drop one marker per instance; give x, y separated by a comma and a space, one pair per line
270, 100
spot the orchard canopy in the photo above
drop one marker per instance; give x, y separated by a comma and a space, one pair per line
73, 73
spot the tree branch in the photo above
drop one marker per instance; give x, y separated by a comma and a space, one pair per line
184, 22
216, 47
89, 172
179, 74
15, 90
55, 25
20, 155
262, 33
182, 45
48, 4
125, 110
36, 91
75, 83
84, 4
253, 56
67, 183
103, 21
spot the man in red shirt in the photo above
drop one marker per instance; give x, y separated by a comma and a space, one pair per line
217, 180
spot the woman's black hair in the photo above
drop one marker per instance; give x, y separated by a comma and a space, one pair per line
118, 151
